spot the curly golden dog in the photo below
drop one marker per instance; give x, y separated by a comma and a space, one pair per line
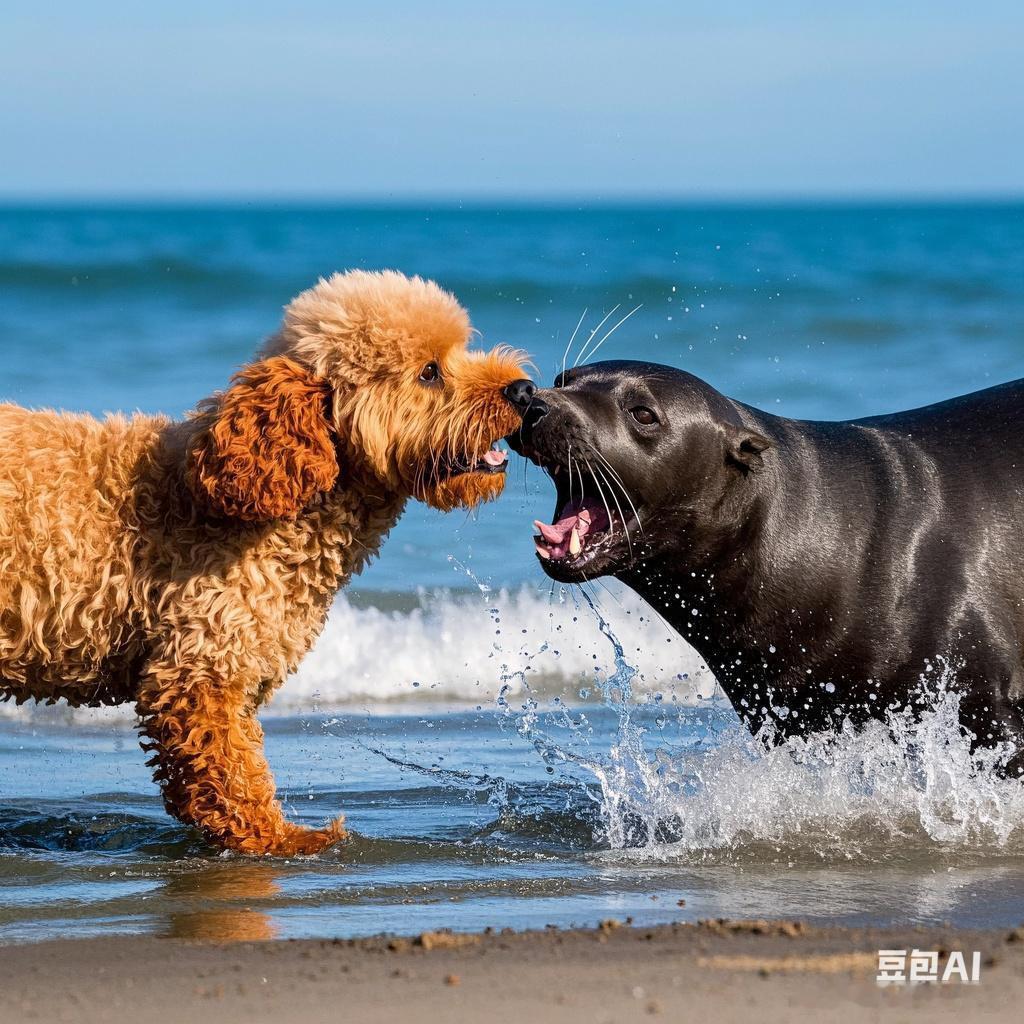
189, 566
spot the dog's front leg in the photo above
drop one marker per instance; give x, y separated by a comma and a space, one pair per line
207, 748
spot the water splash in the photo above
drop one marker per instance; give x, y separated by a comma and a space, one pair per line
902, 790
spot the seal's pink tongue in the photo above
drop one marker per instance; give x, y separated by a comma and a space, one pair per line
578, 517
556, 533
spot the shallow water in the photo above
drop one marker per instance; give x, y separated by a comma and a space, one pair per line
608, 799
507, 763
525, 813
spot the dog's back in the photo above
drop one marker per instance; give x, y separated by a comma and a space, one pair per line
67, 533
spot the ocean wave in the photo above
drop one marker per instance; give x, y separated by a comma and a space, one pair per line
464, 647
146, 272
471, 646
154, 273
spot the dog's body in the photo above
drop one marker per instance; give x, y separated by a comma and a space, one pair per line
189, 566
823, 570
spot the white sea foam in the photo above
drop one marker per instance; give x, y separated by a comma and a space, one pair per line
466, 646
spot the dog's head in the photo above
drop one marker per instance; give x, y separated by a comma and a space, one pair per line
370, 376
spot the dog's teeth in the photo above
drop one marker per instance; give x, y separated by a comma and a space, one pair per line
575, 547
541, 550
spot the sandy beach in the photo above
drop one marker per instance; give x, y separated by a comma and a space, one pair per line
715, 970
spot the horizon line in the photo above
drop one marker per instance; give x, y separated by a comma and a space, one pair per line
551, 199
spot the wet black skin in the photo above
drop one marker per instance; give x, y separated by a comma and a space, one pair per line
819, 568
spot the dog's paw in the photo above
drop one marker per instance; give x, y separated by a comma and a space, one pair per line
303, 842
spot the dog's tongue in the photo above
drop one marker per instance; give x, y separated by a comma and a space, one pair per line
584, 516
495, 457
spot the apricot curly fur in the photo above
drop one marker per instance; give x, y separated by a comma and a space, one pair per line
268, 448
189, 566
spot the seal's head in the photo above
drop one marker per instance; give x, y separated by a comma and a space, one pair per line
641, 455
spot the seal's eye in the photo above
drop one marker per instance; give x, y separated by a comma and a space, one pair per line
643, 415
430, 374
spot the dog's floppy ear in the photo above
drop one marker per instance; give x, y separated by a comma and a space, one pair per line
745, 447
266, 447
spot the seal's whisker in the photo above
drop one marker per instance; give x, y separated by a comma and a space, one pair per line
593, 333
613, 330
565, 354
615, 498
600, 490
625, 490
579, 473
588, 588
601, 584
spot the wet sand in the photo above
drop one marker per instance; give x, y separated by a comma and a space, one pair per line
716, 971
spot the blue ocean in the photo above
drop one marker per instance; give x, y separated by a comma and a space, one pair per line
508, 752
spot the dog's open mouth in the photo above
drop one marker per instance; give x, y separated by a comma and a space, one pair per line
494, 460
593, 530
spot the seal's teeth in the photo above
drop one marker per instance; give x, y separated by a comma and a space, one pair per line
575, 547
541, 550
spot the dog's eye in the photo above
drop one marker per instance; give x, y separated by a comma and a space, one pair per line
643, 415
430, 374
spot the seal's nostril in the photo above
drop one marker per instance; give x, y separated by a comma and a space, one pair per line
533, 412
520, 393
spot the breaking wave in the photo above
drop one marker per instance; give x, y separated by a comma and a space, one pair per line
467, 646
470, 646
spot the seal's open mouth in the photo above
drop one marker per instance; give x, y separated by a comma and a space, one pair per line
581, 523
594, 526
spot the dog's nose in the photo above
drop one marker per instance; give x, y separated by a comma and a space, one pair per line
520, 393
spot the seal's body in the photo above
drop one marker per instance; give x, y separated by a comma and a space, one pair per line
824, 570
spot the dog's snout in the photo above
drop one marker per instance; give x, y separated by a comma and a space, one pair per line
520, 393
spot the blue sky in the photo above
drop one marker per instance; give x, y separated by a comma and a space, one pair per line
465, 100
